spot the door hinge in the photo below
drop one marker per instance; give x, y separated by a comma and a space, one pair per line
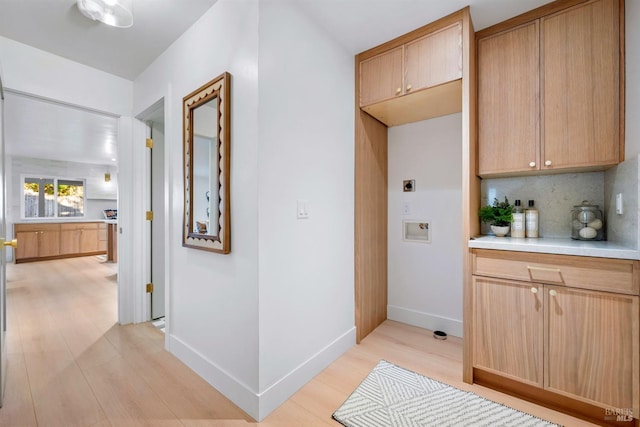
149, 216
149, 288
149, 143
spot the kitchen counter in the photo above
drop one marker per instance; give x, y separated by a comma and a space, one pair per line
560, 246
58, 221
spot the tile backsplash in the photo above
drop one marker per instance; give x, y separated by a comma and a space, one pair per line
623, 179
554, 196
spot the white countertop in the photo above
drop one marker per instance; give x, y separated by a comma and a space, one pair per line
62, 221
602, 249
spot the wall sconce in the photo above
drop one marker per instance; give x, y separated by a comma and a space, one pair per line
107, 177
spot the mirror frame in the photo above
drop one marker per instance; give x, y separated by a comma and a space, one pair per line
219, 241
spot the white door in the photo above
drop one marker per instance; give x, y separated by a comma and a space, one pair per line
158, 224
3, 279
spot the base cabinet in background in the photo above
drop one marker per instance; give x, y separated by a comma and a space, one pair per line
559, 330
39, 241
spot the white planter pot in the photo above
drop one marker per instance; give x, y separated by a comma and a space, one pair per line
500, 231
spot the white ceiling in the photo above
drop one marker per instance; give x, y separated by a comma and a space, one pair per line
57, 26
67, 133
43, 129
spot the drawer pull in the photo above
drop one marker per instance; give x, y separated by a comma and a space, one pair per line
551, 270
553, 292
534, 290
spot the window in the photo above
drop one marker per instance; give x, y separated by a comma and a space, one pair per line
53, 197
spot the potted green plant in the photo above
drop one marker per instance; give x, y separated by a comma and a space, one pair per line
499, 215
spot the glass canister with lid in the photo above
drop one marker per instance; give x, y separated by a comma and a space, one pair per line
587, 222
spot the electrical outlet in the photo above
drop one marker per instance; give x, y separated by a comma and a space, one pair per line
406, 208
619, 209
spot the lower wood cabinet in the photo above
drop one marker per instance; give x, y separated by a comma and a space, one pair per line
39, 241
79, 238
580, 346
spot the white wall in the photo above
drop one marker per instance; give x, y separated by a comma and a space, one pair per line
262, 321
212, 298
306, 151
34, 71
425, 280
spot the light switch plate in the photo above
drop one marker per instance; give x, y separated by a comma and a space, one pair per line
302, 209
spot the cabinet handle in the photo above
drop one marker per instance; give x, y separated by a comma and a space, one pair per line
547, 163
532, 164
551, 270
553, 292
534, 290
408, 87
398, 90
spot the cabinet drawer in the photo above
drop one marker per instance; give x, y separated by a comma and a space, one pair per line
35, 227
79, 226
610, 275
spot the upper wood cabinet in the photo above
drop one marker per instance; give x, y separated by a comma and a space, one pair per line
549, 93
509, 100
433, 61
381, 77
580, 54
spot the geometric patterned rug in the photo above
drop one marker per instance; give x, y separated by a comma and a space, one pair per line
391, 396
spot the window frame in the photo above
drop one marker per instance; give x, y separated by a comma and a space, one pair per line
55, 179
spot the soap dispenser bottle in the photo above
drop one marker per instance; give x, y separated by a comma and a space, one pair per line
531, 220
517, 224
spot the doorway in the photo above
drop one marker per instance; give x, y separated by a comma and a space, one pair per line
153, 118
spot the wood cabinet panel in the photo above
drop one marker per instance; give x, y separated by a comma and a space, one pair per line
580, 57
49, 243
51, 240
89, 240
593, 346
434, 59
69, 241
381, 77
509, 101
588, 341
27, 244
550, 92
508, 335
102, 237
611, 275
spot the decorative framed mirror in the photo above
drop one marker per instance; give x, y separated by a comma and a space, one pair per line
206, 135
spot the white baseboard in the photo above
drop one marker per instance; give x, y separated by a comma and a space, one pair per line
225, 383
261, 404
276, 394
425, 320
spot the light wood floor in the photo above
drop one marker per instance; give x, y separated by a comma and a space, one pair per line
70, 364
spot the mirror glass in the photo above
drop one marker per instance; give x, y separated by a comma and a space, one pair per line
206, 166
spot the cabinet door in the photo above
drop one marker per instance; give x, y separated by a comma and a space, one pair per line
593, 345
381, 77
69, 240
434, 59
508, 101
27, 244
49, 244
89, 240
581, 108
102, 237
508, 322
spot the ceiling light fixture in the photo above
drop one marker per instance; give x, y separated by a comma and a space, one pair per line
111, 12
